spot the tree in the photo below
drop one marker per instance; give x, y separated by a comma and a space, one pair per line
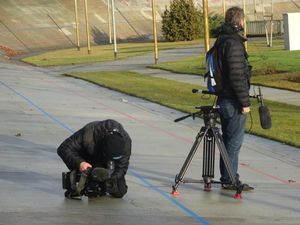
182, 22
215, 21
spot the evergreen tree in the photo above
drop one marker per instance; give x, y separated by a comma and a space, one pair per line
182, 22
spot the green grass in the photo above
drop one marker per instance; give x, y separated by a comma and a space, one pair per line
285, 118
100, 53
272, 67
191, 65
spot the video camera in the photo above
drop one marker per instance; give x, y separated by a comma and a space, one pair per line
92, 182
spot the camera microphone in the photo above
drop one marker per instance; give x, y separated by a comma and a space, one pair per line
264, 113
265, 117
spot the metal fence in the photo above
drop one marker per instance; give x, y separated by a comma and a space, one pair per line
259, 28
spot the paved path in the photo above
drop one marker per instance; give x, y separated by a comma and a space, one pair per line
139, 64
40, 108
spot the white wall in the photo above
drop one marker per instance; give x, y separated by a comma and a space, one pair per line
291, 26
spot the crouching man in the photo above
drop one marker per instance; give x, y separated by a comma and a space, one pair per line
98, 158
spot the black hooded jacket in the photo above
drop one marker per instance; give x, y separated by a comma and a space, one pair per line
235, 68
87, 145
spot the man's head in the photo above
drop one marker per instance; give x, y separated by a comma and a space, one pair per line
235, 17
114, 145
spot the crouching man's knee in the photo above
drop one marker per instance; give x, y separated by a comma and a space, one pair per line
116, 187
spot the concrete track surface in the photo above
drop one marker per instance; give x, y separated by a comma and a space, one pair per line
40, 108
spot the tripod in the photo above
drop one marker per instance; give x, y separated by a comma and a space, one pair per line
211, 136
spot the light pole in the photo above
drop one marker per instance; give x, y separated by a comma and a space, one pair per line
154, 32
109, 21
271, 25
114, 28
76, 25
87, 27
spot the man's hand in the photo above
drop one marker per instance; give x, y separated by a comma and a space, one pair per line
245, 110
84, 166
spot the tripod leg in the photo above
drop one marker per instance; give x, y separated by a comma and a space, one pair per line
208, 160
228, 165
179, 177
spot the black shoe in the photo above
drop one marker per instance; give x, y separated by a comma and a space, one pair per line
247, 187
100, 174
232, 187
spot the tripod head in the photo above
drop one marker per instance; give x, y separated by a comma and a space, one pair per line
208, 113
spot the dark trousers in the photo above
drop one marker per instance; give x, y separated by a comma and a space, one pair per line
116, 187
233, 128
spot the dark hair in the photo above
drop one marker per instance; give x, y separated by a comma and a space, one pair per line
234, 15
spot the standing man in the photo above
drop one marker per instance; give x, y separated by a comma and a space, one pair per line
92, 148
233, 100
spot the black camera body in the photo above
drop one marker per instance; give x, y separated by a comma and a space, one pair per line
92, 182
65, 178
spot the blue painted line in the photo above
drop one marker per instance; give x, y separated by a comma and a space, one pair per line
189, 212
39, 108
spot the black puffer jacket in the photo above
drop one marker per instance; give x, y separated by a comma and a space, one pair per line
236, 71
86, 145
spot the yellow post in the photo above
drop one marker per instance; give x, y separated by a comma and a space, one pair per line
206, 25
76, 25
109, 21
245, 25
224, 7
254, 7
87, 27
154, 32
